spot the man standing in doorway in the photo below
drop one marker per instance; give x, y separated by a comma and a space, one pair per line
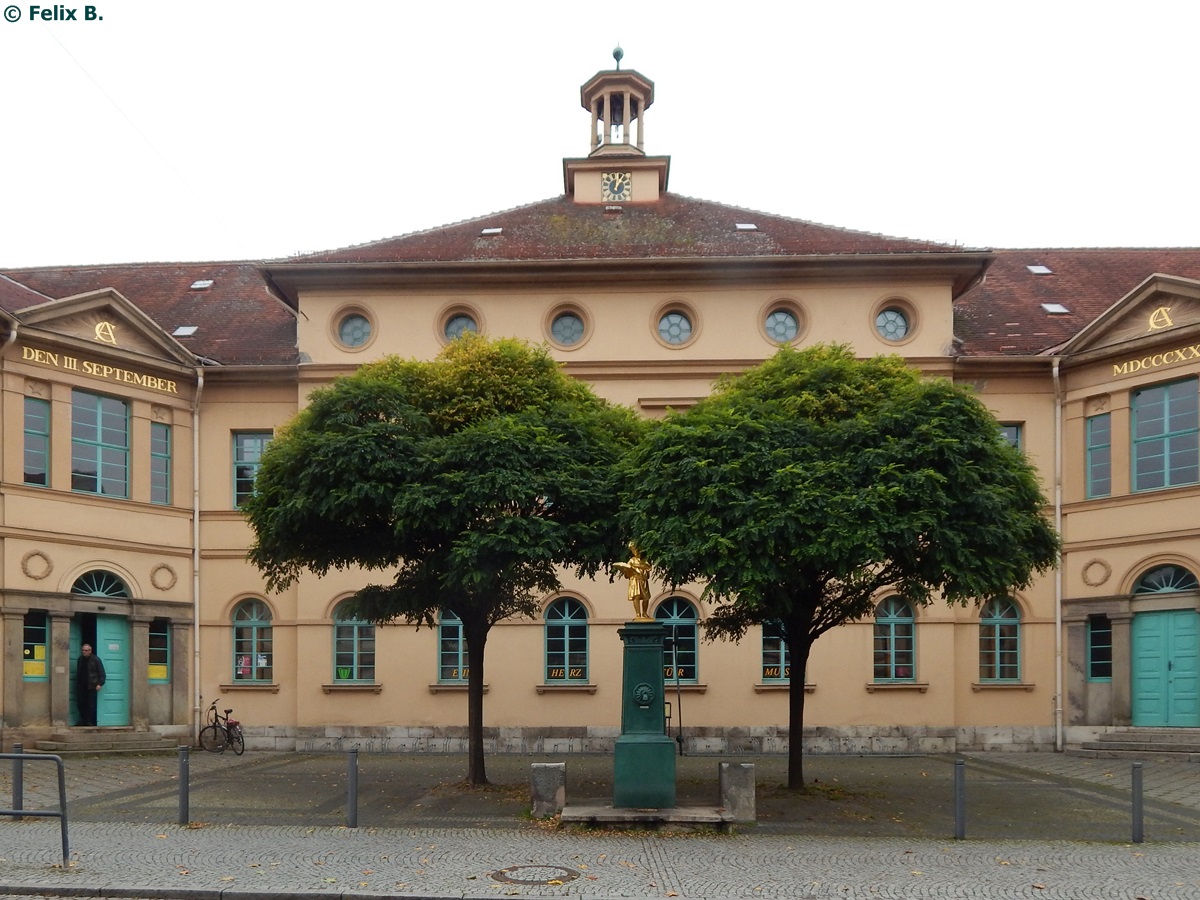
89, 678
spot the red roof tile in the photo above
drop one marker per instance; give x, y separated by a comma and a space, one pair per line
674, 227
239, 321
1003, 314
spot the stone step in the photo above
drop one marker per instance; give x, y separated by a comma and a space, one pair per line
1152, 735
1098, 750
146, 744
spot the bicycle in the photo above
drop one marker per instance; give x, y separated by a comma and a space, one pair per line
221, 732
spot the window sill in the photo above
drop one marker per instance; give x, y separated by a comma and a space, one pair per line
920, 686
1002, 686
267, 686
684, 687
452, 688
767, 687
339, 688
566, 688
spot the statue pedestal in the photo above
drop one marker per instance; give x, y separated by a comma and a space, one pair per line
644, 763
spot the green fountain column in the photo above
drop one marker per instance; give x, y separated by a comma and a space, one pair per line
644, 767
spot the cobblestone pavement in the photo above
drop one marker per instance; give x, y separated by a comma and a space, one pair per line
1038, 825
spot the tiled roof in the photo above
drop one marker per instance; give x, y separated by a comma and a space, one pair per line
14, 295
1003, 315
674, 227
238, 321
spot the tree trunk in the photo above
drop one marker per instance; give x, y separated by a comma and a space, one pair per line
476, 636
799, 662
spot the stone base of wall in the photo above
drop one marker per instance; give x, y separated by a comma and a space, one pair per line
856, 740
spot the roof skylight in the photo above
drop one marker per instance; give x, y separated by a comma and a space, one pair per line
1055, 309
202, 285
745, 226
185, 330
491, 231
1040, 270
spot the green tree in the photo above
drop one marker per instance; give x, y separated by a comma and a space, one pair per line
475, 478
804, 487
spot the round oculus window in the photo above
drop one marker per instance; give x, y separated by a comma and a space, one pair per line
460, 324
567, 329
782, 326
675, 327
892, 324
354, 330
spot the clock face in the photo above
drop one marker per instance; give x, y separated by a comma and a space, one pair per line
616, 186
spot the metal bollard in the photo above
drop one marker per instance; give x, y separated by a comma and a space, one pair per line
18, 798
1135, 787
352, 790
960, 799
184, 780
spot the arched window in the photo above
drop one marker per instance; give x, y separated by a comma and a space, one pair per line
99, 583
353, 647
252, 641
452, 650
895, 656
682, 621
566, 642
776, 657
1165, 579
1000, 641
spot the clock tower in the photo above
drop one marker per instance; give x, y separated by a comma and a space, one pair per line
616, 169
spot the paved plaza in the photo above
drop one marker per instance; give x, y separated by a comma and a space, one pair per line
274, 824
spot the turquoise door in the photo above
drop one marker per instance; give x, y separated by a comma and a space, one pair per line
1166, 681
112, 646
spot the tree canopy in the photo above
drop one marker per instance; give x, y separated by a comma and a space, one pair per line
473, 477
803, 489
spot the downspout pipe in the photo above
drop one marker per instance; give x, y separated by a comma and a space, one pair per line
1058, 571
196, 702
10, 340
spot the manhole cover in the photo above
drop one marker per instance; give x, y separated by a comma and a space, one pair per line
535, 874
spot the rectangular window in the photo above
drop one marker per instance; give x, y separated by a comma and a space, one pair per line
248, 447
1099, 648
158, 669
1099, 455
353, 651
99, 445
36, 653
37, 441
1011, 432
452, 652
1166, 435
160, 463
776, 657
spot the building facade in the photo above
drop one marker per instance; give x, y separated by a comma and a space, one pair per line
136, 401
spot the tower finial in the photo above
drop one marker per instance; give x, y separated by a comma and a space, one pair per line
618, 55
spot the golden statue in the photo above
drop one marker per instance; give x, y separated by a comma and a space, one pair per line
637, 570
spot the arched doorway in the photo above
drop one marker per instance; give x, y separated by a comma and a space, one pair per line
110, 640
1166, 654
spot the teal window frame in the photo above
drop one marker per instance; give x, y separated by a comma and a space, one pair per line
353, 648
99, 444
36, 633
253, 639
682, 621
99, 583
160, 463
452, 649
1013, 434
566, 640
159, 649
1165, 435
248, 448
894, 642
1099, 455
1099, 648
1000, 641
37, 441
776, 655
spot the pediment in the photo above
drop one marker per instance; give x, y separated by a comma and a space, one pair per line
105, 318
1154, 310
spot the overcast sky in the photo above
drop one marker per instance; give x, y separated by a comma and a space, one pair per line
255, 129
